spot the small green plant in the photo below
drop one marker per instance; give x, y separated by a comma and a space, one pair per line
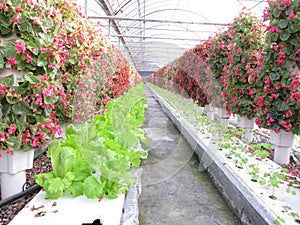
278, 220
272, 180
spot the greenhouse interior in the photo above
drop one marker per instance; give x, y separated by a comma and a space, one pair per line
150, 112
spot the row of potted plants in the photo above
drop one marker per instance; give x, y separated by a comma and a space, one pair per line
56, 68
248, 69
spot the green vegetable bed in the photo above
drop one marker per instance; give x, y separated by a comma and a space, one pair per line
95, 158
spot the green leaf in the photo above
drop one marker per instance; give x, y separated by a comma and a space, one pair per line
274, 76
34, 48
3, 126
42, 60
283, 106
11, 99
21, 108
284, 36
8, 80
5, 31
92, 188
276, 12
283, 23
62, 158
24, 26
76, 189
5, 20
31, 78
54, 188
14, 142
23, 87
50, 100
47, 22
6, 109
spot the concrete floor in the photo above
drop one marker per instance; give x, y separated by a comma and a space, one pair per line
174, 190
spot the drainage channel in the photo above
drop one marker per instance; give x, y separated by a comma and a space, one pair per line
174, 190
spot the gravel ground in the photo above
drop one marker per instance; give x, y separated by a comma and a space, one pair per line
8, 212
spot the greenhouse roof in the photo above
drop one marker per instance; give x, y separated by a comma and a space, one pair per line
152, 33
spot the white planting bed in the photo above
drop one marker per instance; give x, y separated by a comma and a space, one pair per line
70, 210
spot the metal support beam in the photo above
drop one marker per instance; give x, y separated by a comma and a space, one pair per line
156, 21
104, 4
152, 37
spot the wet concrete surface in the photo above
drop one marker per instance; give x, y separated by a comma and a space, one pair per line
174, 190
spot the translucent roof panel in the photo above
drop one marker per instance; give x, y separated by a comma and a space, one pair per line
152, 33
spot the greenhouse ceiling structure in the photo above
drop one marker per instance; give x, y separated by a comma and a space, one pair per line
152, 33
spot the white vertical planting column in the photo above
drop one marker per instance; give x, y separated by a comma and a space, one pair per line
247, 125
13, 165
282, 143
13, 171
223, 116
209, 111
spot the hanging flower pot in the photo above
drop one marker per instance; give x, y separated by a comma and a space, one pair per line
247, 125
282, 143
13, 171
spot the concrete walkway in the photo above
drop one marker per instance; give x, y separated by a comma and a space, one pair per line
174, 191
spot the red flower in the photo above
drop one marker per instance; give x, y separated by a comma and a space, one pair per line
18, 10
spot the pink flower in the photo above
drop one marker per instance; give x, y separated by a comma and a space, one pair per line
35, 142
9, 151
43, 49
11, 129
20, 46
16, 20
36, 20
258, 122
289, 113
12, 61
292, 15
29, 58
43, 78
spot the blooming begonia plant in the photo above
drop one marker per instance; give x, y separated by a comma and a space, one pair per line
280, 75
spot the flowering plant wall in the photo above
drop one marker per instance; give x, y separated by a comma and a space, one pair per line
217, 49
248, 72
28, 112
239, 77
54, 43
279, 78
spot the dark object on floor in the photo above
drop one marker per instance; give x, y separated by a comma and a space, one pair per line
96, 222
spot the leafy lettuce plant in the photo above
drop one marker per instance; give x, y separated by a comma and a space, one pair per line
95, 158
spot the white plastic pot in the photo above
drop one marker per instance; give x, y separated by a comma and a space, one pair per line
282, 143
13, 171
247, 125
